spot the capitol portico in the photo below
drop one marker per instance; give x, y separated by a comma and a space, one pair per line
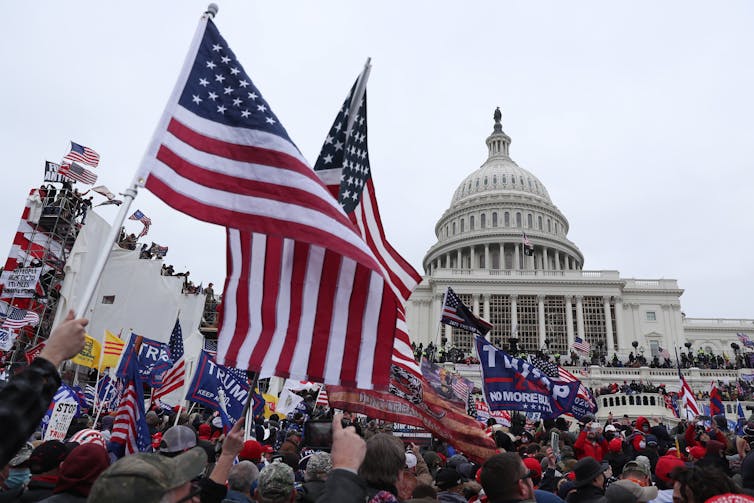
546, 299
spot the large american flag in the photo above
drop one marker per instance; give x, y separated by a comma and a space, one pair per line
343, 165
304, 297
14, 317
78, 173
80, 153
581, 345
175, 377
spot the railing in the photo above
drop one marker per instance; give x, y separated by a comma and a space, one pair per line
716, 322
529, 273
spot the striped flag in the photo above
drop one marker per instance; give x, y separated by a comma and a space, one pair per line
175, 377
15, 318
554, 370
715, 401
130, 426
581, 345
78, 173
80, 153
343, 165
528, 246
305, 296
141, 217
111, 350
457, 314
322, 397
745, 340
687, 398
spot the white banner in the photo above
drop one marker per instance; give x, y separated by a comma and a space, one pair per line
21, 282
61, 418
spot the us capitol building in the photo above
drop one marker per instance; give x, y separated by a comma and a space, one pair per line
545, 300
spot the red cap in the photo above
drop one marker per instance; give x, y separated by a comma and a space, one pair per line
204, 431
535, 466
615, 445
252, 451
665, 465
267, 449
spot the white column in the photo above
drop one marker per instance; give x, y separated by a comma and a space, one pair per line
458, 262
475, 303
580, 317
608, 327
542, 324
569, 322
516, 257
487, 264
619, 322
472, 258
637, 322
486, 300
557, 260
545, 264
514, 316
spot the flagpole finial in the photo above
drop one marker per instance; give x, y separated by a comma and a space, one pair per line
212, 10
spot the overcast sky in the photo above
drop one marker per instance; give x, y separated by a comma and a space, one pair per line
637, 116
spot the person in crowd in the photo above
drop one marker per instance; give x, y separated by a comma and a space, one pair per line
241, 479
627, 491
318, 468
589, 482
78, 472
695, 484
18, 475
25, 398
276, 484
505, 479
177, 440
450, 486
44, 464
590, 442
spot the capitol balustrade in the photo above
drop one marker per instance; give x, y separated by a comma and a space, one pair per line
526, 273
653, 405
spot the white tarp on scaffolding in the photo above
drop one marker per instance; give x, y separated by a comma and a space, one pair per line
132, 295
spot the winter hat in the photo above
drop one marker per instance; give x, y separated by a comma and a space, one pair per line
447, 478
47, 456
81, 468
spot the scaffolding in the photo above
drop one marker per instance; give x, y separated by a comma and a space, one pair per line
50, 223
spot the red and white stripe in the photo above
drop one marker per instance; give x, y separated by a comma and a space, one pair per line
688, 400
172, 380
124, 426
322, 397
78, 173
300, 310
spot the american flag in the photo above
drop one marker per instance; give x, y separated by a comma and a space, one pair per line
102, 190
343, 165
130, 426
581, 345
528, 247
304, 296
175, 377
78, 173
141, 217
14, 317
688, 399
80, 153
456, 314
745, 340
664, 353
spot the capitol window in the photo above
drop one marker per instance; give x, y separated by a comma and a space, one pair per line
505, 179
454, 228
477, 183
494, 180
471, 223
483, 220
651, 316
549, 225
494, 219
485, 181
462, 226
518, 219
513, 180
529, 221
539, 222
507, 219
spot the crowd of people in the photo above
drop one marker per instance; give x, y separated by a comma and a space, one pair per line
193, 458
729, 391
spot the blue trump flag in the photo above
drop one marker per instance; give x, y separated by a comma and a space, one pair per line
152, 362
510, 383
214, 386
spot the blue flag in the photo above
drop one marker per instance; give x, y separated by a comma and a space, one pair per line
741, 420
214, 386
153, 361
511, 383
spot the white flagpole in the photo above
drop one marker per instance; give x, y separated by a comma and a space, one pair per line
186, 380
358, 95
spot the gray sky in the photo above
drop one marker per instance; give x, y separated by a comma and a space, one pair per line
637, 116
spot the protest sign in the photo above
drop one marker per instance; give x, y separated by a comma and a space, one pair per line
20, 282
215, 387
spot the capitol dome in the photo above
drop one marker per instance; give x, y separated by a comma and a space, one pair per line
491, 212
